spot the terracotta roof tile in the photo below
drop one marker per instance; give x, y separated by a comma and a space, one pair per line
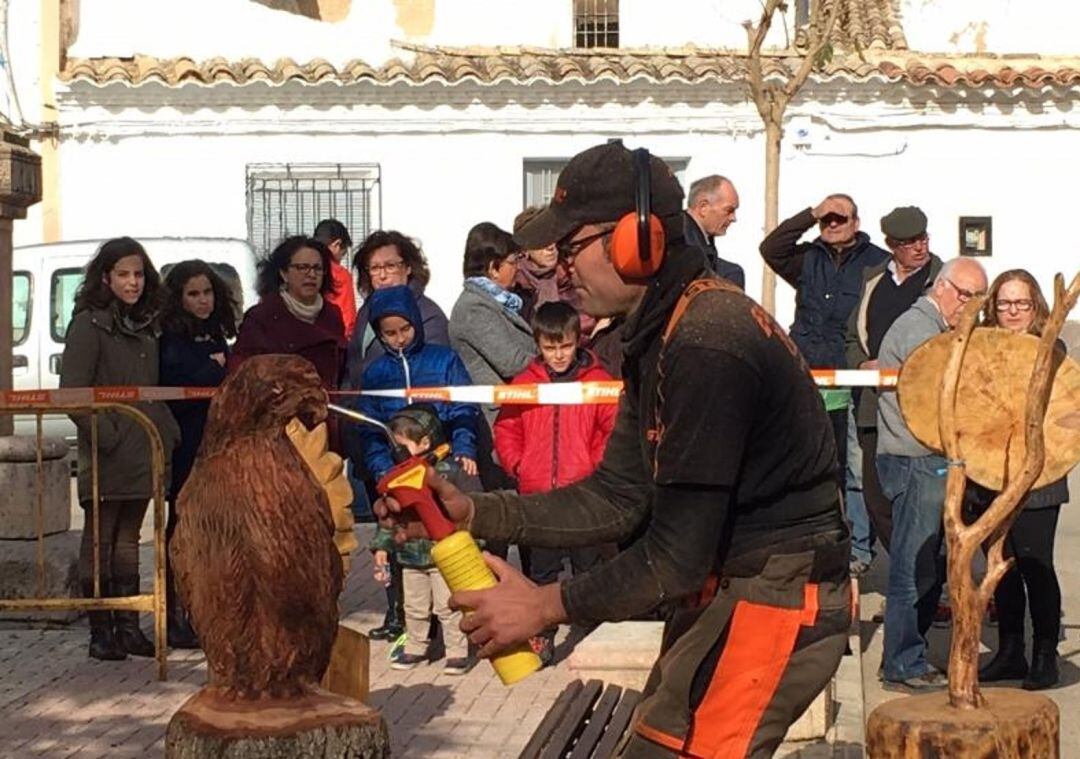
491, 66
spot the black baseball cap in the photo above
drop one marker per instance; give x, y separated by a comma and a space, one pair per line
597, 186
904, 223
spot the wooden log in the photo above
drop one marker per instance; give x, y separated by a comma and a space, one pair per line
350, 664
1013, 724
319, 726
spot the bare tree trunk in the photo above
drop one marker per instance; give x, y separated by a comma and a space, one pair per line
773, 133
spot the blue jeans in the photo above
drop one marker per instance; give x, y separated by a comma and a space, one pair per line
916, 488
862, 532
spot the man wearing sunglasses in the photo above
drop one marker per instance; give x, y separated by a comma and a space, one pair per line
719, 474
913, 479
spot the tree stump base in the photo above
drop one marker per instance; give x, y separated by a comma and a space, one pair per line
323, 725
1014, 724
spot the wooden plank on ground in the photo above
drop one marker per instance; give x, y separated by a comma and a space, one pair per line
551, 721
620, 720
583, 749
573, 722
350, 663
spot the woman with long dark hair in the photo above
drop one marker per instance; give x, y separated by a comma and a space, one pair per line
199, 319
292, 315
1016, 303
113, 340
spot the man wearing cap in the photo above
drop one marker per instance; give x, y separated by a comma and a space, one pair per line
826, 273
888, 290
719, 469
710, 210
913, 479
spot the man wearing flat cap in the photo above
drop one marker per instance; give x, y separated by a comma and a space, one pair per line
720, 469
888, 290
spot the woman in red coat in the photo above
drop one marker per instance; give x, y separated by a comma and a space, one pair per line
293, 315
548, 447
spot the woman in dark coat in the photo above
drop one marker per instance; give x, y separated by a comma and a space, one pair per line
292, 315
113, 340
200, 317
1016, 303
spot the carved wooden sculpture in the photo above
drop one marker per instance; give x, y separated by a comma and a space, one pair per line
260, 573
992, 432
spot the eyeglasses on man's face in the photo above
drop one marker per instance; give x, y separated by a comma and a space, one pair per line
963, 295
569, 249
910, 244
833, 219
1023, 305
307, 268
390, 267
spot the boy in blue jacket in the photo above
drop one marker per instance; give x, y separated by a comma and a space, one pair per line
410, 362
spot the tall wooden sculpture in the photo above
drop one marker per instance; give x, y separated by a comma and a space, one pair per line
259, 571
991, 401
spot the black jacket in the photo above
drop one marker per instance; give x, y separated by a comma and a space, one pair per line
825, 291
695, 237
186, 362
737, 458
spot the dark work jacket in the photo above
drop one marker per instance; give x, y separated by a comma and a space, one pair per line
695, 237
695, 479
186, 362
269, 327
825, 293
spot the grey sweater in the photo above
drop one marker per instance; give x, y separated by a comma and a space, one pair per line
914, 327
494, 344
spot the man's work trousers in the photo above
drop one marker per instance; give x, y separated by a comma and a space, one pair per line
916, 487
738, 668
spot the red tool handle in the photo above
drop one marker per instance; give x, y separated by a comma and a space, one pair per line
407, 483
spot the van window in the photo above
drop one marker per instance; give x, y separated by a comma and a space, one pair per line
232, 278
62, 300
20, 307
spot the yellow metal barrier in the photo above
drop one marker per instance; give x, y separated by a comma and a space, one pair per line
151, 602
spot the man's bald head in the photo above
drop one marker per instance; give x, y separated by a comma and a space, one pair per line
959, 280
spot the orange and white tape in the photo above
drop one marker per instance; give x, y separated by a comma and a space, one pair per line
553, 393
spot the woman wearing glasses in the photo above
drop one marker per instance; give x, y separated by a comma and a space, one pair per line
1017, 304
292, 315
385, 259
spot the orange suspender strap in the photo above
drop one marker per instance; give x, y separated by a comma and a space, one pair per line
760, 642
694, 289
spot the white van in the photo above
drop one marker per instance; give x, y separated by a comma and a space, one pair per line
45, 278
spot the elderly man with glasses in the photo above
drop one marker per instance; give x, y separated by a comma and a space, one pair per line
913, 479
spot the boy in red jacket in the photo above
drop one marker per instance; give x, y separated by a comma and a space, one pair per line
549, 447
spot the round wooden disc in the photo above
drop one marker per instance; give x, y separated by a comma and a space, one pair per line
990, 404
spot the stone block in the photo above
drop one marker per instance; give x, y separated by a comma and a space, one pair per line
816, 720
19, 573
621, 653
18, 487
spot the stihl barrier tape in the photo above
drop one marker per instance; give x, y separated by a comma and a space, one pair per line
558, 394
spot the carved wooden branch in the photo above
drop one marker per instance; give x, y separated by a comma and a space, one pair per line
968, 599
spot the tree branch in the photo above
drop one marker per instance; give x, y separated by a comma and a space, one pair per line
817, 44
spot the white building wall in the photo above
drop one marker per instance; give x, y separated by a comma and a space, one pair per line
436, 186
992, 26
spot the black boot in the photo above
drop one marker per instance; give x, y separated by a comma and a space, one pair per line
179, 631
1008, 663
1044, 669
128, 634
394, 621
103, 644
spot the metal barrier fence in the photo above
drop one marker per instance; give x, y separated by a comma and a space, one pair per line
152, 602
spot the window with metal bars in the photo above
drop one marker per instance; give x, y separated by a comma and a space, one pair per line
540, 175
596, 23
290, 199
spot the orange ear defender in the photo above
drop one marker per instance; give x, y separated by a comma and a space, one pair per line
637, 243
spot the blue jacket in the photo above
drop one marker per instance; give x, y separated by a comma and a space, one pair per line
419, 365
825, 293
185, 362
